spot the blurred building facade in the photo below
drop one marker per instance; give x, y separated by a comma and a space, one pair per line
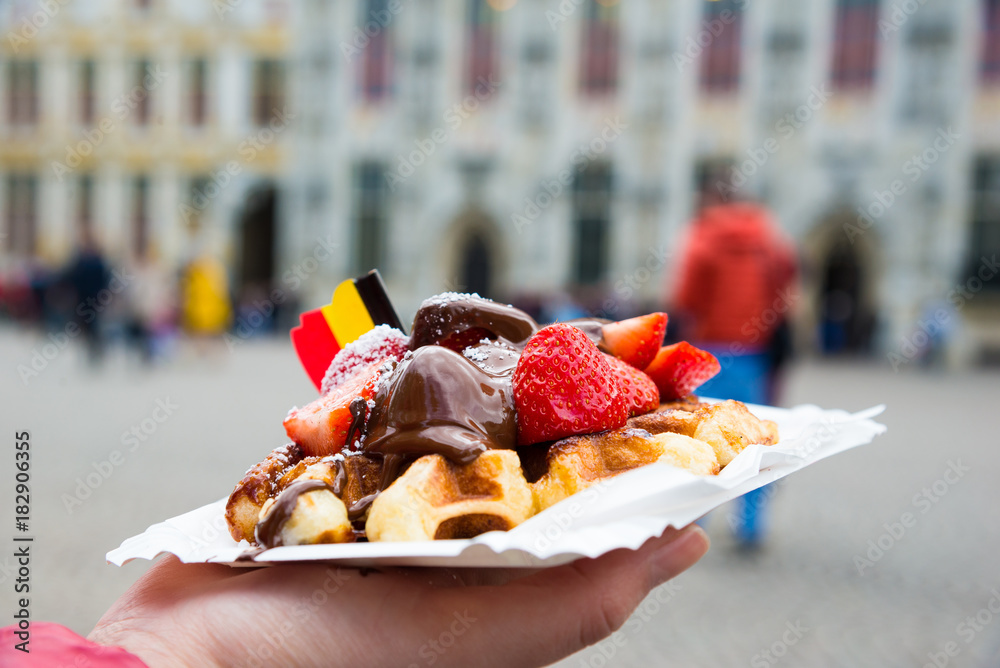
155, 127
520, 147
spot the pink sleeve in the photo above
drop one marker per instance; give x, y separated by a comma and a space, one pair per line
50, 645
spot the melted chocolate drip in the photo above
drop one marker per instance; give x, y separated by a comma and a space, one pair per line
358, 408
439, 402
269, 529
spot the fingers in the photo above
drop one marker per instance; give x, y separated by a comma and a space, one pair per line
554, 613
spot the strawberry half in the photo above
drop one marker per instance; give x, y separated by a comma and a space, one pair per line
563, 386
639, 390
373, 346
680, 368
636, 340
321, 427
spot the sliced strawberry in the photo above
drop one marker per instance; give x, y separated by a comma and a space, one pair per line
679, 369
459, 341
374, 345
639, 390
321, 427
563, 385
636, 340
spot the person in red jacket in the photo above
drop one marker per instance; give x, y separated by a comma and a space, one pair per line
734, 292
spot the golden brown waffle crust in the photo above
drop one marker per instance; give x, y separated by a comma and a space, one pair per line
439, 499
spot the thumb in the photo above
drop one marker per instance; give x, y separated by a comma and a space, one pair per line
559, 611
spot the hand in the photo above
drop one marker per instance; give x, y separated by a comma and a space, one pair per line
316, 614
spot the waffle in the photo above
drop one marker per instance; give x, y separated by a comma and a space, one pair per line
435, 498
578, 462
438, 499
268, 479
727, 426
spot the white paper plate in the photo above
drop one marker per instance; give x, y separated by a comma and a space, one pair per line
621, 513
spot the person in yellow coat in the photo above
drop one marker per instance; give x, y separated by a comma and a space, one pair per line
206, 309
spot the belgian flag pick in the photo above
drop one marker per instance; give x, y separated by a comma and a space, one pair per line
358, 305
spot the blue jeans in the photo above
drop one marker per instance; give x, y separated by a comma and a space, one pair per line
743, 378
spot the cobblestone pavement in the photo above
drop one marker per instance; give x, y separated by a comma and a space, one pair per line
187, 431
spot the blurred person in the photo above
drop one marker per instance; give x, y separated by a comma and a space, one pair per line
205, 306
215, 615
735, 292
151, 306
88, 276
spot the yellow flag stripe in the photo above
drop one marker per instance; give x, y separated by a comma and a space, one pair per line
347, 315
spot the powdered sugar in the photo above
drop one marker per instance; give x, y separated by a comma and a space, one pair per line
448, 298
376, 344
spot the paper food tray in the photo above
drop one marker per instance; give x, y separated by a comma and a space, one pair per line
623, 512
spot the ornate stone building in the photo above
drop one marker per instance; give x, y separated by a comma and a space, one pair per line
528, 147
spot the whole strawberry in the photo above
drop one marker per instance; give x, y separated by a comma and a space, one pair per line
563, 386
639, 390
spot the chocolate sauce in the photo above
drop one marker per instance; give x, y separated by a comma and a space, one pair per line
446, 314
439, 402
269, 529
358, 408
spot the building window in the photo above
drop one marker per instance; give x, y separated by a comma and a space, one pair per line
985, 215
269, 90
376, 58
22, 92
482, 46
784, 72
85, 203
139, 216
536, 78
142, 94
989, 65
592, 219
854, 41
197, 92
22, 210
88, 92
927, 71
370, 216
720, 59
599, 67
